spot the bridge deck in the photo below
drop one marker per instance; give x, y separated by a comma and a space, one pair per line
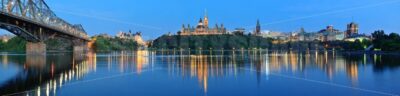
44, 25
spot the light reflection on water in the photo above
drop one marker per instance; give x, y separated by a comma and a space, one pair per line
46, 75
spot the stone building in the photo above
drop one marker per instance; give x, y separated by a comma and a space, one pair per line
258, 28
202, 28
330, 34
352, 29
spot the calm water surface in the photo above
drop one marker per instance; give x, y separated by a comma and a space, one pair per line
204, 73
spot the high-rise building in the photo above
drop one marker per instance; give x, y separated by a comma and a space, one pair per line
258, 28
352, 29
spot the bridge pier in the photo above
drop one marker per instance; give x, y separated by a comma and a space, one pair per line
35, 48
79, 46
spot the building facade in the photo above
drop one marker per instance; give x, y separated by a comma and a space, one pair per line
258, 28
6, 37
324, 35
352, 29
330, 34
202, 28
132, 36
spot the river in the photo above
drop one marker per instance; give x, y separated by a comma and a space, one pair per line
200, 72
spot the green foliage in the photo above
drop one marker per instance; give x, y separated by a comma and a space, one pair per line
18, 44
386, 42
58, 44
2, 44
357, 45
14, 44
114, 44
211, 41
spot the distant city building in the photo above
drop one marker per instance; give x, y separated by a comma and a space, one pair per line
202, 28
359, 37
126, 35
239, 31
352, 33
276, 35
129, 35
6, 37
324, 35
302, 35
258, 28
330, 34
352, 29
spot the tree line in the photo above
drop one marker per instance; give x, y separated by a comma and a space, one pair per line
114, 44
386, 42
225, 41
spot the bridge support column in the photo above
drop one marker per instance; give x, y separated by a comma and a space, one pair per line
35, 48
79, 46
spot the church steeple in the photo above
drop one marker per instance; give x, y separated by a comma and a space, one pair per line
206, 18
258, 28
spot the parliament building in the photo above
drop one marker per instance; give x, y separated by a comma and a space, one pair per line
202, 28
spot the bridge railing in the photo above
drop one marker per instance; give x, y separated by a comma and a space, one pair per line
38, 11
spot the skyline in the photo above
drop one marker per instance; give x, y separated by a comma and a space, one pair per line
282, 16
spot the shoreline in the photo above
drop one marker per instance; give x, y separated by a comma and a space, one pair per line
208, 50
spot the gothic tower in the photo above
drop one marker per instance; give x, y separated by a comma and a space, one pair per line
206, 19
352, 29
258, 28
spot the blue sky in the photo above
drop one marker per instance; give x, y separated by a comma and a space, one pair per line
157, 17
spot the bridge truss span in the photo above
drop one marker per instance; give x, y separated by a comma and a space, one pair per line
36, 14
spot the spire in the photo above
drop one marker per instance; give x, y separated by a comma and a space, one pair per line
205, 13
258, 28
201, 20
205, 18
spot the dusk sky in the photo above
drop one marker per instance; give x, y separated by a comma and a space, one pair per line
156, 17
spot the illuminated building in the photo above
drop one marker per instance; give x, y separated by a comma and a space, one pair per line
5, 38
258, 28
202, 28
129, 35
330, 34
352, 29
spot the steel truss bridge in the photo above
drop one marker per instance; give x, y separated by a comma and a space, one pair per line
34, 21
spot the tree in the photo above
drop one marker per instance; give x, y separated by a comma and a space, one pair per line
379, 36
394, 36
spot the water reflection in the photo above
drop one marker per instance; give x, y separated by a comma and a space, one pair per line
45, 75
219, 63
42, 75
